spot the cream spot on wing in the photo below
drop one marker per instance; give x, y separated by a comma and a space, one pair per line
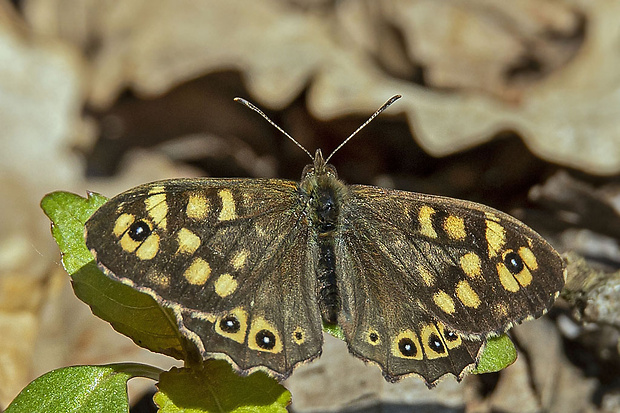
372, 337
470, 264
452, 339
127, 244
197, 207
528, 258
261, 329
162, 280
496, 237
506, 278
122, 224
407, 340
426, 275
428, 334
238, 261
524, 277
444, 301
149, 248
238, 334
198, 272
298, 335
225, 285
467, 295
500, 310
157, 189
455, 227
425, 217
188, 241
157, 207
228, 211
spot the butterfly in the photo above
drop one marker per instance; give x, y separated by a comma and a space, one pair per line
252, 268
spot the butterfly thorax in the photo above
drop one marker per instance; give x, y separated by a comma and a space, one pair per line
324, 193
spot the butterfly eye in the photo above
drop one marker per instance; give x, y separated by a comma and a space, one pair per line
513, 262
407, 347
139, 231
230, 324
265, 339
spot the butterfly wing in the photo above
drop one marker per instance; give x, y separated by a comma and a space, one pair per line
230, 257
431, 276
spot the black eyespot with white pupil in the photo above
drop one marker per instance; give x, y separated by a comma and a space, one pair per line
434, 342
265, 339
139, 231
407, 347
298, 335
230, 324
374, 337
513, 262
450, 336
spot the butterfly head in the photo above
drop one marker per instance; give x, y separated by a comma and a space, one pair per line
319, 168
319, 181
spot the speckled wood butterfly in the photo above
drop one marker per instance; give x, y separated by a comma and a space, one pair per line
252, 267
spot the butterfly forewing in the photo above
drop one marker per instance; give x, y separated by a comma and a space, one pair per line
230, 257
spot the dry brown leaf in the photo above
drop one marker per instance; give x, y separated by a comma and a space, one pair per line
560, 386
514, 393
567, 116
473, 45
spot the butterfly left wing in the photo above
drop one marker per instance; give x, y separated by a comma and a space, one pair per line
438, 274
230, 257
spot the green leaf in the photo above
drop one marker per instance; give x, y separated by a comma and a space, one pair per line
499, 353
334, 329
132, 313
82, 389
217, 388
68, 213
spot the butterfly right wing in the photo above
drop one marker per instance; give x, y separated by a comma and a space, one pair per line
230, 257
425, 279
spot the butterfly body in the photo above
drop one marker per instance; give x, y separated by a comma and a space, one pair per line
324, 194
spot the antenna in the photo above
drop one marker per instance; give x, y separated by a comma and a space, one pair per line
260, 112
374, 115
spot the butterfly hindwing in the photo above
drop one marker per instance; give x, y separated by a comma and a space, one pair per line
384, 323
230, 257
